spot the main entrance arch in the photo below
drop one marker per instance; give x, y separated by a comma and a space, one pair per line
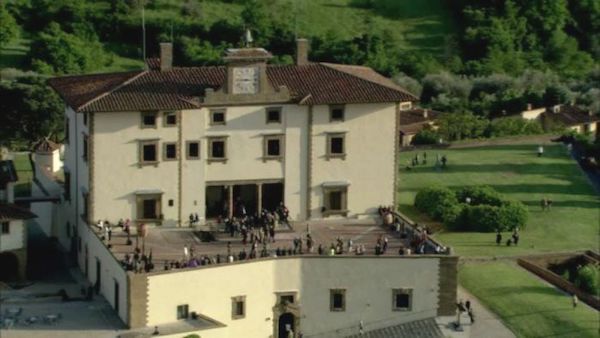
286, 323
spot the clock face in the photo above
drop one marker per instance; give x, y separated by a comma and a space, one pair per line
245, 80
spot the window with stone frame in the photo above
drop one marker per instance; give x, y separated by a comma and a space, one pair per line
335, 200
86, 206
218, 117
5, 228
183, 311
170, 151
193, 150
238, 307
67, 186
273, 146
273, 115
337, 113
66, 139
85, 146
170, 119
337, 300
217, 149
148, 152
148, 119
402, 299
336, 145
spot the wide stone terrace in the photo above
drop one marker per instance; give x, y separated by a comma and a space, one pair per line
167, 244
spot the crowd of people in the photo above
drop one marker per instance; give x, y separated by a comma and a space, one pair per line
256, 234
440, 161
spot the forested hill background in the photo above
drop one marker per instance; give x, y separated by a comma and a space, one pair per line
476, 56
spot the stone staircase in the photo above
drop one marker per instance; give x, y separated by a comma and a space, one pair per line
426, 328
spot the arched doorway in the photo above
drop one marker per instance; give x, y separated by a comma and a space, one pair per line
286, 323
10, 266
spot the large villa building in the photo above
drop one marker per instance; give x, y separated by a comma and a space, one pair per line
158, 145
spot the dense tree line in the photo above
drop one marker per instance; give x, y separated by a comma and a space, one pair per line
508, 53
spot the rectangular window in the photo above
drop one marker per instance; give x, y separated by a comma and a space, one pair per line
286, 299
84, 149
86, 205
337, 300
405, 105
193, 150
68, 228
182, 311
66, 130
217, 149
170, 119
273, 147
5, 228
148, 119
336, 199
85, 119
148, 152
238, 307
274, 115
336, 113
67, 186
402, 299
170, 151
217, 117
336, 147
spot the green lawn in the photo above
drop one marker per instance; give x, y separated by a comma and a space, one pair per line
25, 173
527, 305
514, 170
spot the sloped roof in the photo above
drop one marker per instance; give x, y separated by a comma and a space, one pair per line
426, 328
570, 115
45, 146
183, 88
9, 212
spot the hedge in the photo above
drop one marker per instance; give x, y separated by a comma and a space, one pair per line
486, 212
588, 279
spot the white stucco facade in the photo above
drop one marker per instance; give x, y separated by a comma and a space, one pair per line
367, 169
368, 283
15, 238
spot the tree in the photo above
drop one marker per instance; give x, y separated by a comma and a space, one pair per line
458, 126
31, 110
57, 52
8, 25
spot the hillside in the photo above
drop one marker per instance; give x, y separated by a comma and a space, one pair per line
417, 26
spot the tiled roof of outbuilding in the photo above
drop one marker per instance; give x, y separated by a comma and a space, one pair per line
571, 115
183, 88
9, 212
45, 146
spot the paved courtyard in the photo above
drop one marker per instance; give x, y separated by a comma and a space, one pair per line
167, 244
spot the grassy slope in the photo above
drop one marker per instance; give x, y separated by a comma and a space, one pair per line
418, 25
515, 171
25, 174
526, 304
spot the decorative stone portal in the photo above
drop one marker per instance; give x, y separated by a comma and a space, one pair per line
285, 316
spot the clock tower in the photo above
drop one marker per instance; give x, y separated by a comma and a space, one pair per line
247, 71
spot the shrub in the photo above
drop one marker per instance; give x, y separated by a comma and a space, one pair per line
507, 126
434, 200
426, 136
513, 214
479, 195
588, 279
487, 211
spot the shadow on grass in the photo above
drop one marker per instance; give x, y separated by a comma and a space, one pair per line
542, 290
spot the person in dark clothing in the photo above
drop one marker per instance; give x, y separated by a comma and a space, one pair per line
468, 305
471, 315
498, 238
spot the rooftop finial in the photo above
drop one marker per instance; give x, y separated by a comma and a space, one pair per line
248, 38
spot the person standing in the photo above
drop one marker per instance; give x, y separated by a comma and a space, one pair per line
575, 300
540, 151
498, 238
186, 252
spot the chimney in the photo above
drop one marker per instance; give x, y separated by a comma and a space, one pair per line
301, 52
425, 113
166, 56
556, 108
529, 106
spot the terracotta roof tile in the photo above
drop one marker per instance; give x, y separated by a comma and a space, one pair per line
9, 212
45, 146
181, 88
571, 115
417, 115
